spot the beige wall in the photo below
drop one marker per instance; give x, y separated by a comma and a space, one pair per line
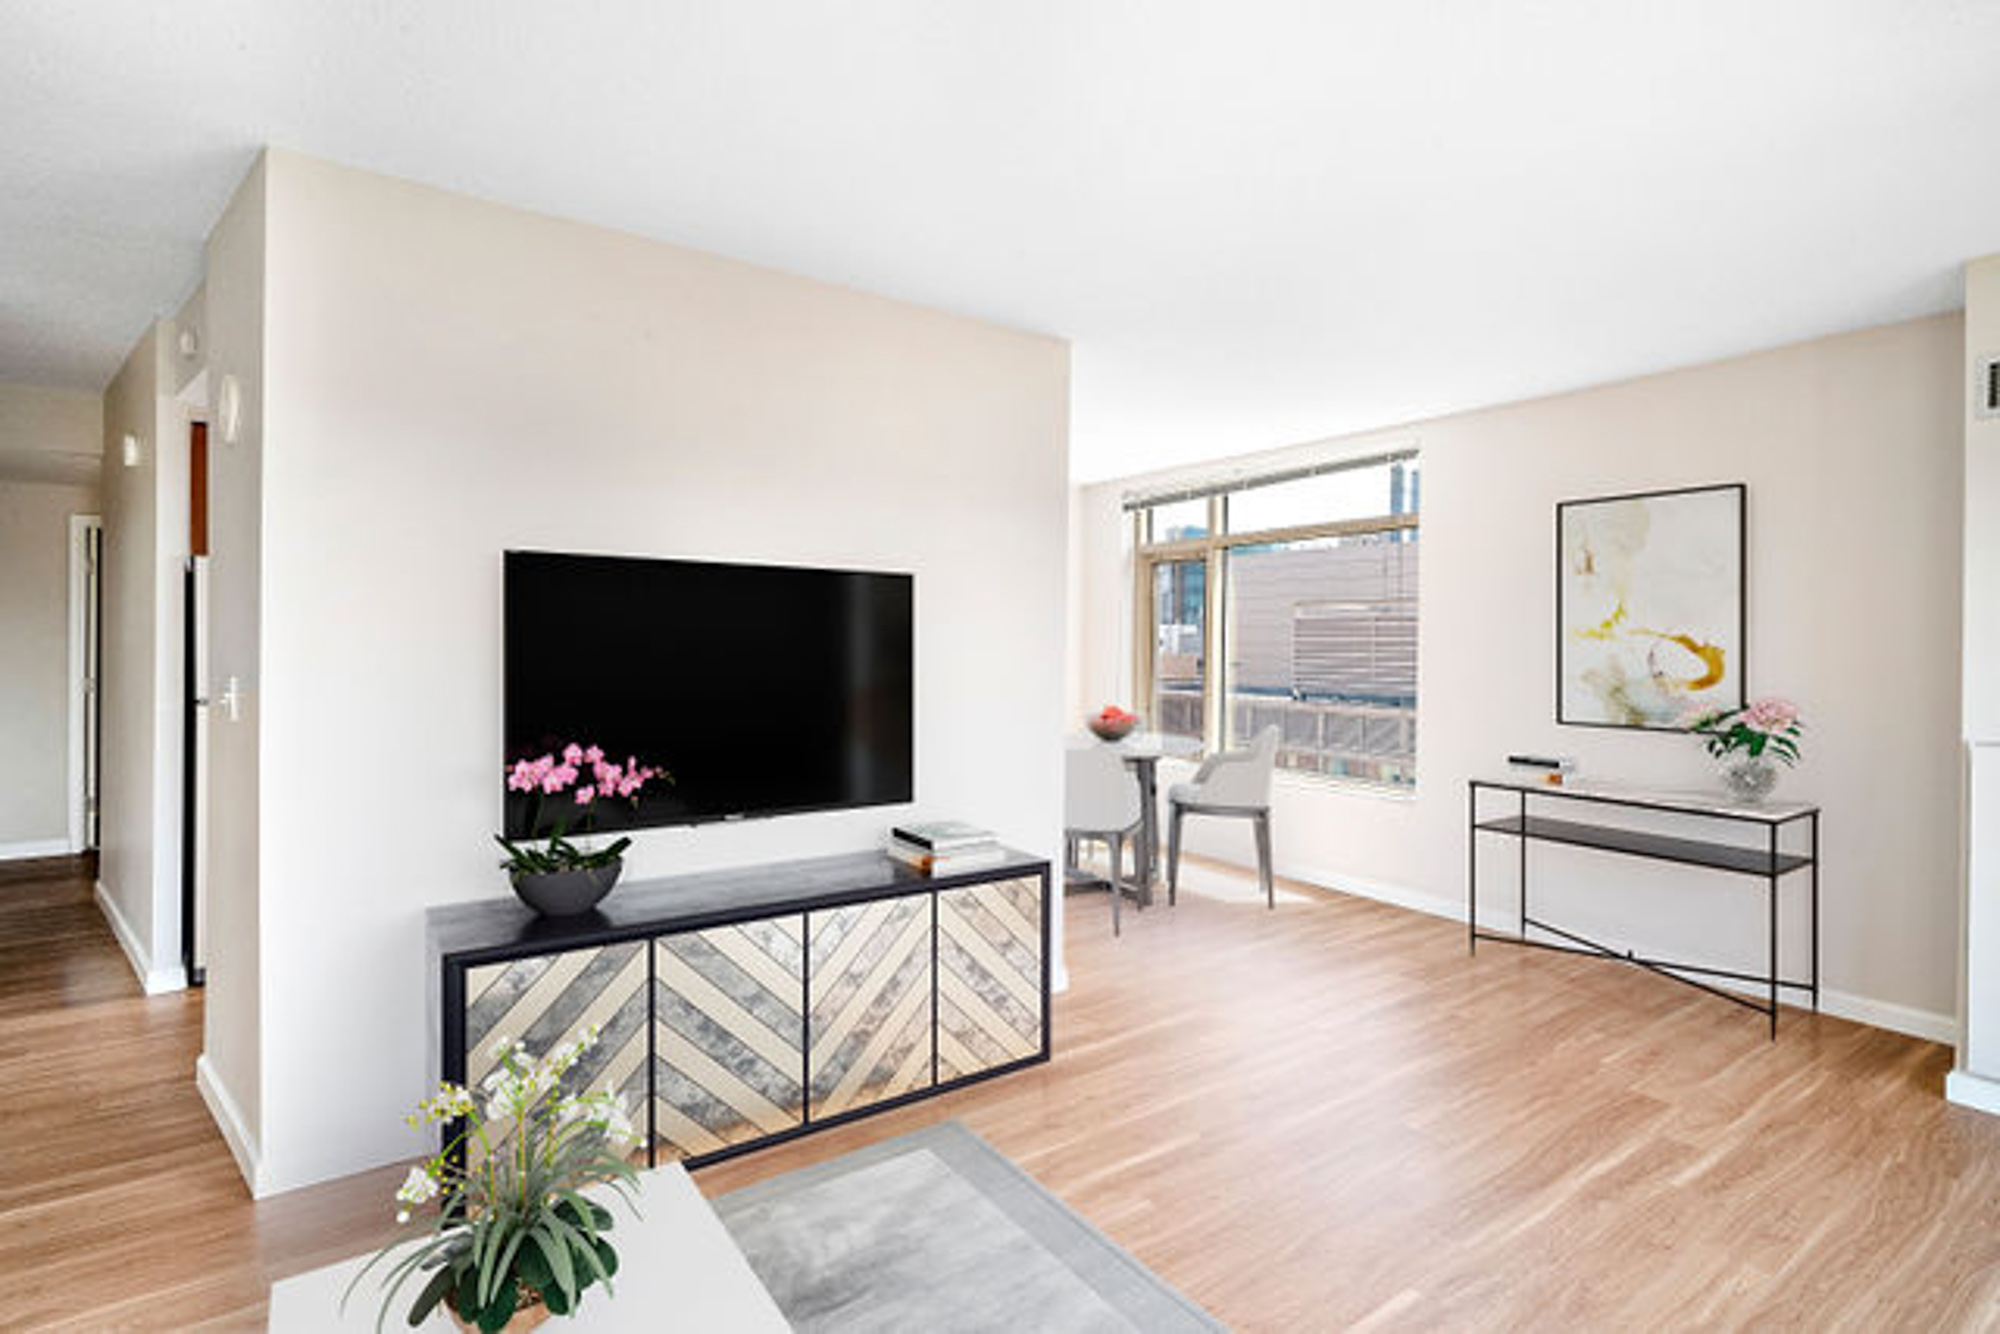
49, 466
145, 548
1977, 1080
231, 1070
127, 795
49, 435
447, 379
35, 664
1850, 446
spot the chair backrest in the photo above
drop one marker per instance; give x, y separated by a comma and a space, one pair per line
1242, 777
1100, 794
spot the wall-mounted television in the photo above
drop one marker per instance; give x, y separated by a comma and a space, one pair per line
762, 689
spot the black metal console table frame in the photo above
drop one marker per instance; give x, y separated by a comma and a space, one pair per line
1769, 864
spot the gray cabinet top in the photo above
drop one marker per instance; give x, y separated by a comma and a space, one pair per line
505, 928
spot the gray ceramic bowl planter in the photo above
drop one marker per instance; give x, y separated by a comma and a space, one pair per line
567, 893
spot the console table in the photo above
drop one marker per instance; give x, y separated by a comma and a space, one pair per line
743, 1007
1575, 827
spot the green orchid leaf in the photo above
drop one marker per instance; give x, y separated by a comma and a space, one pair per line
583, 1248
433, 1293
534, 1269
496, 1271
465, 1298
556, 1250
392, 1282
493, 1317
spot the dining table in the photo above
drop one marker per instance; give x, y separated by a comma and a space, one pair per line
1142, 753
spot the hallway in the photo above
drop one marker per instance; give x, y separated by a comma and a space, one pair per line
119, 1205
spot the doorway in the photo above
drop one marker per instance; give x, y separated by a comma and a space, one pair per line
86, 635
194, 716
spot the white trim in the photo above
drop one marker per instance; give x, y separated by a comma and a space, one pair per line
154, 981
1396, 896
1294, 780
79, 632
1926, 1024
1974, 1091
229, 1120
1905, 1019
34, 848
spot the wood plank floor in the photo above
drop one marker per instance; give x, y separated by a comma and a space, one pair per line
1326, 1117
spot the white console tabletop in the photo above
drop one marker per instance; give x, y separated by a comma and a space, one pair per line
1717, 803
677, 1269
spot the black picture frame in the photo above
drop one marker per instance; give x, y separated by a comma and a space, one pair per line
1739, 491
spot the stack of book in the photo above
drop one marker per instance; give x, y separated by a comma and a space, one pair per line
941, 847
1550, 769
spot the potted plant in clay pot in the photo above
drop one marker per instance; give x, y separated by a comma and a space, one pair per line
515, 1239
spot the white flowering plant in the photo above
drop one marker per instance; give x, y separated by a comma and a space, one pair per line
512, 1229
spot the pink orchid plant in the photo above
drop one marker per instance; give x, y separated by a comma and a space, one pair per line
1769, 724
587, 779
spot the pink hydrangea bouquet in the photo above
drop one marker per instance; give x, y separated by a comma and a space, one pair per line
576, 781
1768, 726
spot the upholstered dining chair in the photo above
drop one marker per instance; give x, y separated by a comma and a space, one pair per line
1100, 801
1234, 783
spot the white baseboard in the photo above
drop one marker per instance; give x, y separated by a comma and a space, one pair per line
1974, 1091
1912, 1022
229, 1120
1398, 896
1905, 1019
35, 849
153, 980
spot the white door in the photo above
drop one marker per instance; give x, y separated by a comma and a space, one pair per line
86, 671
195, 826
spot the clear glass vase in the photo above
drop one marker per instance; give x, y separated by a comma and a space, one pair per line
1749, 778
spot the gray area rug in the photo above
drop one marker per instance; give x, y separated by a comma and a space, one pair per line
935, 1231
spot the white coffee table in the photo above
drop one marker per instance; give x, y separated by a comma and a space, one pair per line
677, 1269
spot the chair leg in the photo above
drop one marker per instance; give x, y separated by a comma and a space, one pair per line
1139, 887
1173, 854
1117, 842
1262, 820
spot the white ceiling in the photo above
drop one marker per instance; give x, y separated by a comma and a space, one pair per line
1259, 222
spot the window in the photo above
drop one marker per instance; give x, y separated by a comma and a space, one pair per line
1302, 590
1179, 696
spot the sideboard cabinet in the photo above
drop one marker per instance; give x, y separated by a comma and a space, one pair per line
742, 1007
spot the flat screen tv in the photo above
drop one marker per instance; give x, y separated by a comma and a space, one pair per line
762, 689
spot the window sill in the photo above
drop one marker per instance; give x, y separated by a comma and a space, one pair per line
1293, 781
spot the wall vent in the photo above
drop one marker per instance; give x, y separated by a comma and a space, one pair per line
1987, 403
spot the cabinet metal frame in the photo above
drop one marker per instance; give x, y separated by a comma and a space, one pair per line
456, 964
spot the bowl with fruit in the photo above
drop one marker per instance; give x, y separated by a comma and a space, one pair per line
1112, 723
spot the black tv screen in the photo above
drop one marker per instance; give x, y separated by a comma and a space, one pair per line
760, 689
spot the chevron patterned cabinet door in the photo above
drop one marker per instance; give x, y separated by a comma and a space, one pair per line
870, 1003
989, 953
728, 1035
549, 1001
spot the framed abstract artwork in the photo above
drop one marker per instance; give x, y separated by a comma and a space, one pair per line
1649, 606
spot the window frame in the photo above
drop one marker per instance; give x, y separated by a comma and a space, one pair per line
1213, 550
